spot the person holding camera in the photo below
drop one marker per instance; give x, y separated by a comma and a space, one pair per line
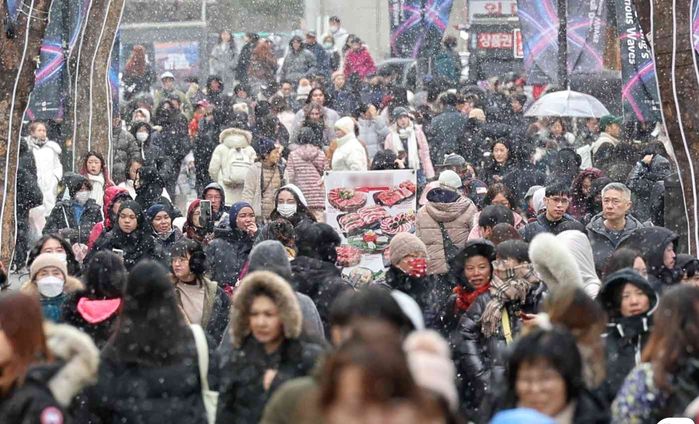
229, 250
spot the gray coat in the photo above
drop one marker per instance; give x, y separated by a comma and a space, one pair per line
124, 148
298, 65
602, 244
373, 132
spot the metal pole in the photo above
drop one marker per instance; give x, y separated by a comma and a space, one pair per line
563, 44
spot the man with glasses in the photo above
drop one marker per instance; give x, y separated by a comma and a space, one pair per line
556, 201
613, 225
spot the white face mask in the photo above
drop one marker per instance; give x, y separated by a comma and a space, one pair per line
50, 286
287, 211
63, 256
334, 28
82, 197
141, 136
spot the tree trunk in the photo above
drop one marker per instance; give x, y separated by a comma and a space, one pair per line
92, 101
678, 85
18, 61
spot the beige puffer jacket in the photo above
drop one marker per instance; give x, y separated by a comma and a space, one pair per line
456, 217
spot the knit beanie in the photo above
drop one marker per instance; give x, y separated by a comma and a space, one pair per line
264, 146
404, 244
429, 360
154, 210
270, 255
477, 114
346, 125
450, 180
48, 259
235, 209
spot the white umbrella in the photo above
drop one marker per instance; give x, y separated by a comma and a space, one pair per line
569, 104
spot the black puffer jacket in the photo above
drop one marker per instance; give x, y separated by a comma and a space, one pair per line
33, 401
480, 360
651, 242
446, 133
319, 280
625, 336
99, 331
242, 396
226, 255
423, 290
542, 225
62, 221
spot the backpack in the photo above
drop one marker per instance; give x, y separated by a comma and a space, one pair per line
236, 168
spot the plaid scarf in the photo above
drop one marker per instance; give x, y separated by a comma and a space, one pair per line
507, 285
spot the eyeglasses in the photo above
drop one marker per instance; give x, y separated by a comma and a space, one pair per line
559, 200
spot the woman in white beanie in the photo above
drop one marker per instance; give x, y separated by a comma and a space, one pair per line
50, 282
349, 155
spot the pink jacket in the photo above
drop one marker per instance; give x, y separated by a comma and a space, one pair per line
304, 168
423, 149
359, 62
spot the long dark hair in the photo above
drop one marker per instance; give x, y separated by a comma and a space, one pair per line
151, 330
197, 258
105, 276
301, 209
72, 263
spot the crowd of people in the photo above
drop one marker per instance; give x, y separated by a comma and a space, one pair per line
189, 276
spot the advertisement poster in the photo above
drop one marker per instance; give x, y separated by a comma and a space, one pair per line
179, 57
417, 26
367, 209
539, 23
587, 35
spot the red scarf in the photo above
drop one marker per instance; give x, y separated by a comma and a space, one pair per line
464, 297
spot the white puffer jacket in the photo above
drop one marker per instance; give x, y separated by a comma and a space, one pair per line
231, 160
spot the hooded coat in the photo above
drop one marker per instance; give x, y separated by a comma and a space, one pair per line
49, 169
242, 396
305, 168
625, 337
150, 150
359, 62
642, 180
602, 244
62, 219
51, 306
49, 389
230, 161
579, 246
350, 154
151, 187
651, 242
455, 213
124, 148
111, 196
94, 317
446, 133
227, 253
297, 65
137, 246
554, 262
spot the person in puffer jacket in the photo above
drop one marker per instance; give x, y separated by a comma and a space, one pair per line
113, 196
231, 160
350, 154
305, 169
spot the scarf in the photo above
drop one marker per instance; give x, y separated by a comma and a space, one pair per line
508, 285
466, 297
97, 193
398, 146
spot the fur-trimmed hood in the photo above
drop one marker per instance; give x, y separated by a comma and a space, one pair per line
238, 138
283, 296
554, 263
80, 357
71, 285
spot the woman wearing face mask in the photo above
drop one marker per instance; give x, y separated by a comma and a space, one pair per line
290, 204
408, 142
50, 282
149, 143
130, 238
95, 169
159, 217
53, 243
332, 52
264, 178
74, 218
227, 253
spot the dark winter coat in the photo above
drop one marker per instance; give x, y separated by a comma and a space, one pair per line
322, 58
298, 65
542, 225
602, 245
641, 182
319, 280
445, 133
480, 360
216, 310
28, 192
625, 337
62, 221
135, 84
423, 290
226, 255
143, 395
165, 244
124, 148
489, 173
651, 242
49, 389
98, 331
448, 65
203, 148
241, 71
242, 395
150, 150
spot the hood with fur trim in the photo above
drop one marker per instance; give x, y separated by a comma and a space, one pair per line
80, 357
235, 138
71, 285
554, 263
270, 284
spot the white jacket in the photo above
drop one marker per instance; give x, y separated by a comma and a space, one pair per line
235, 148
49, 170
349, 155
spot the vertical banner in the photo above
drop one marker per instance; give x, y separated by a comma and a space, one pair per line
695, 25
639, 93
179, 57
538, 20
114, 73
588, 22
417, 26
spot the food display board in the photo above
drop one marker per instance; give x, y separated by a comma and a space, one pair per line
367, 209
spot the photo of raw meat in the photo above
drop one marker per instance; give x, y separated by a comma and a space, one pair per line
401, 223
348, 256
372, 214
350, 223
395, 195
346, 199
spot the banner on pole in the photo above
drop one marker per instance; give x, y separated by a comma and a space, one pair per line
588, 22
417, 26
538, 20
